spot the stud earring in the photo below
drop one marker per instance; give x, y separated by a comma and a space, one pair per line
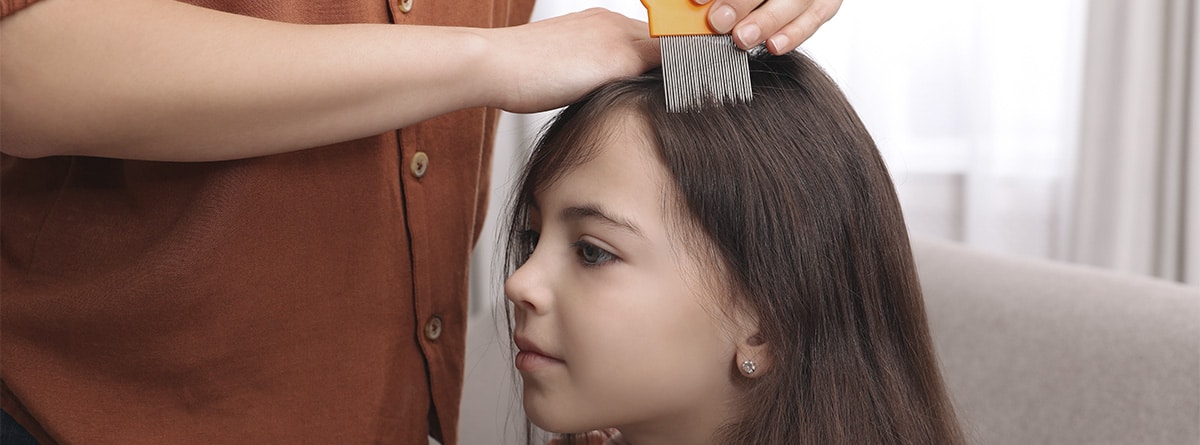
749, 367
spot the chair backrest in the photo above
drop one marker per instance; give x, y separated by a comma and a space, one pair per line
1037, 352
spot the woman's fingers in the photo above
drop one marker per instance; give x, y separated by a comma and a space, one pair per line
599, 437
613, 437
782, 24
724, 14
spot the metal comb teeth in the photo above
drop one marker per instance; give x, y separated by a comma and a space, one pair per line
703, 70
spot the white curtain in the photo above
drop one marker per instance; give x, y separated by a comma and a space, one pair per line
1136, 203
973, 104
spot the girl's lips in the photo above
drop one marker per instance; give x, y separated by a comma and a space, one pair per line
529, 361
532, 357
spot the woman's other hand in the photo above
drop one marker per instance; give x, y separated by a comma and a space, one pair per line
783, 24
608, 436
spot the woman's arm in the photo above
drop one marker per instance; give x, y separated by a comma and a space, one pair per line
162, 80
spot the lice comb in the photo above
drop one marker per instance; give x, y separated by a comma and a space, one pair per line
699, 66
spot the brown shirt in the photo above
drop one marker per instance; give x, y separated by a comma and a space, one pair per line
311, 297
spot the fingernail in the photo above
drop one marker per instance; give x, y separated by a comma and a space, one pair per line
779, 42
749, 35
722, 19
702, 2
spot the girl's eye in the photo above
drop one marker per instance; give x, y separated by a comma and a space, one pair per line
592, 255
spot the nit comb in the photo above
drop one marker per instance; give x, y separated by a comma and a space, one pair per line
699, 66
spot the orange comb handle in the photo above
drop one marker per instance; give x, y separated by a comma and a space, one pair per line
678, 18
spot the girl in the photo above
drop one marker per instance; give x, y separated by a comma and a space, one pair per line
737, 275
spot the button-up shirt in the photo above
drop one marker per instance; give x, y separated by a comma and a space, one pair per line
317, 296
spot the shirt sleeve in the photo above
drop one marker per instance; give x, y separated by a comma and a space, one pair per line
519, 12
10, 7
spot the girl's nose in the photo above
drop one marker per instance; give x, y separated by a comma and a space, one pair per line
527, 288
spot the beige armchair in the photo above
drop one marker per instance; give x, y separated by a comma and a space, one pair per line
1037, 352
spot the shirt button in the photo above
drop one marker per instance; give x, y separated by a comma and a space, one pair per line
433, 329
420, 163
405, 5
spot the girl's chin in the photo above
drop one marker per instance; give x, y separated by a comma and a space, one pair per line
554, 424
547, 412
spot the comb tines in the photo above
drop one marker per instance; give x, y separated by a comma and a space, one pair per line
703, 70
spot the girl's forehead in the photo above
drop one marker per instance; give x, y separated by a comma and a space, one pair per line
620, 163
625, 142
606, 149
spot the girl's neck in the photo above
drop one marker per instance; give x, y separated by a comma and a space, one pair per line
695, 427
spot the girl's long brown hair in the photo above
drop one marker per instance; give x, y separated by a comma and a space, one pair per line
792, 194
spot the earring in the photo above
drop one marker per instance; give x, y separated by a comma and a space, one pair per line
749, 367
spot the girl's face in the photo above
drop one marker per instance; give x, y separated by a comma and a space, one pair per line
614, 325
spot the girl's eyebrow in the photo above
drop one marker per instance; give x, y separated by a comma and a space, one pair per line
594, 211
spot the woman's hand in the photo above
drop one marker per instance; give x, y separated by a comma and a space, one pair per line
550, 63
783, 24
608, 436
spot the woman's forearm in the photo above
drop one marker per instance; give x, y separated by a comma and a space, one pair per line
162, 80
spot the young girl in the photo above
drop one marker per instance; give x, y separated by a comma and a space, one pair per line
735, 275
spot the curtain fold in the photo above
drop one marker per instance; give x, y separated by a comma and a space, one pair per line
1136, 191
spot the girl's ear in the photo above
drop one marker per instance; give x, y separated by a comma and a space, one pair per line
753, 356
753, 353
